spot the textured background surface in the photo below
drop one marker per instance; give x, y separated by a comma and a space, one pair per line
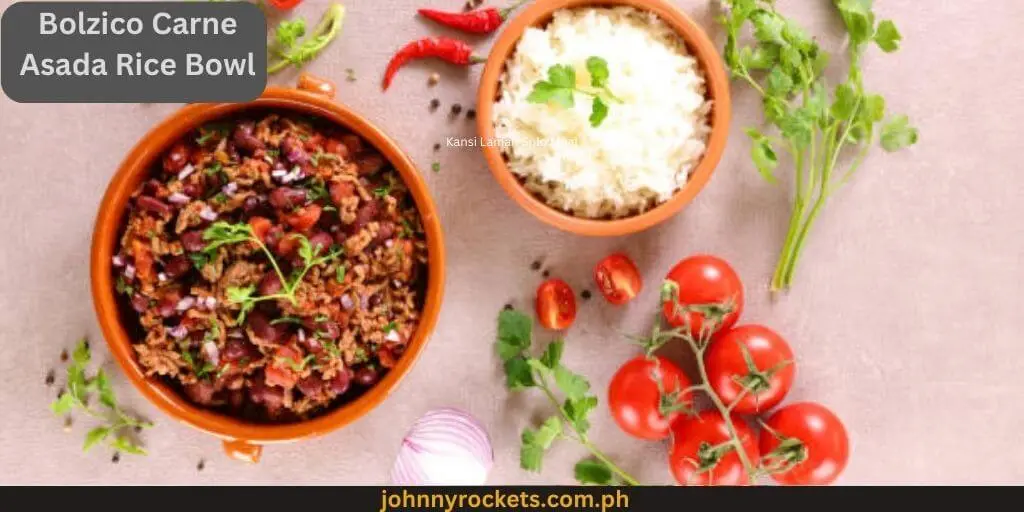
906, 316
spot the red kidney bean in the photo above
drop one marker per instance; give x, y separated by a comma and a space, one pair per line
366, 376
336, 147
270, 284
342, 190
330, 330
192, 190
201, 392
193, 240
154, 205
387, 230
236, 397
340, 383
365, 215
261, 327
293, 151
238, 349
369, 164
176, 158
152, 187
321, 242
340, 236
244, 139
270, 396
177, 266
312, 344
353, 143
312, 386
139, 303
286, 198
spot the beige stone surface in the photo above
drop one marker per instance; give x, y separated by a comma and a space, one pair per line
906, 316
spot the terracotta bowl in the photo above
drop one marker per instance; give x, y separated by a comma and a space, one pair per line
698, 44
244, 439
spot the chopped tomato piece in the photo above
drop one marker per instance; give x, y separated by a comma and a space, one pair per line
302, 219
281, 370
618, 279
342, 189
260, 226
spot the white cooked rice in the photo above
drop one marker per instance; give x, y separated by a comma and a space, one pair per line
644, 150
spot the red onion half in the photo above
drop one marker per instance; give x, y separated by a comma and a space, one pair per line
445, 446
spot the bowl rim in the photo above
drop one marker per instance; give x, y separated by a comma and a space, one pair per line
700, 47
133, 170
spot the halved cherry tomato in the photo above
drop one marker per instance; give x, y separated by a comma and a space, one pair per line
556, 304
618, 279
821, 453
280, 372
304, 218
703, 280
635, 397
698, 455
729, 372
260, 226
285, 4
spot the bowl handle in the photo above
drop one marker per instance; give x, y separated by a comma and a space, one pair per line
243, 450
314, 84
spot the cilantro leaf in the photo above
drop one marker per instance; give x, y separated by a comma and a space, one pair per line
898, 134
124, 444
288, 32
546, 92
562, 75
94, 436
598, 69
514, 333
536, 442
552, 354
291, 51
592, 471
578, 410
106, 392
846, 99
887, 36
62, 405
763, 155
599, 111
518, 374
81, 356
572, 385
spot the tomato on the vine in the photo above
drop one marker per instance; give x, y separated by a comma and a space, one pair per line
767, 376
703, 280
556, 304
702, 455
647, 395
804, 444
618, 279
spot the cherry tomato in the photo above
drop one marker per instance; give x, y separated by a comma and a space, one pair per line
556, 304
304, 218
636, 401
729, 373
698, 457
280, 372
704, 279
285, 4
260, 226
823, 449
618, 279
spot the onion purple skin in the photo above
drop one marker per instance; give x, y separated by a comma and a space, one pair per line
443, 433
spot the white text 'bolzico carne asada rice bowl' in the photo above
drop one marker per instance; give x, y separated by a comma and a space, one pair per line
273, 266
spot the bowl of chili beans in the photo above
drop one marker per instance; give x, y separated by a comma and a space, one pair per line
267, 271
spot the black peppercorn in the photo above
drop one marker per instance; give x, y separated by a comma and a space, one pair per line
434, 104
456, 109
546, 274
535, 266
508, 307
50, 377
437, 146
200, 465
115, 458
585, 294
471, 114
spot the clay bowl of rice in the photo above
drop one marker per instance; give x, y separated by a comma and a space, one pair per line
603, 117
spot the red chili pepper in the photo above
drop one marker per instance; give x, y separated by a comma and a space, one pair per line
483, 21
444, 48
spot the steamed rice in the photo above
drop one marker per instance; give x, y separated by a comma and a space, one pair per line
644, 150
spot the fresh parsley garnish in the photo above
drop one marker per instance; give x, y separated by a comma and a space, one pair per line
287, 49
286, 320
117, 426
813, 121
560, 87
297, 366
382, 191
123, 287
547, 373
339, 273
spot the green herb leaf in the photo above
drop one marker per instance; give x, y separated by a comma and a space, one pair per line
898, 134
598, 69
553, 354
514, 333
339, 273
286, 319
572, 385
518, 374
763, 155
592, 471
290, 51
845, 103
62, 405
94, 436
546, 92
562, 75
858, 18
599, 111
81, 356
288, 32
240, 294
887, 36
578, 410
536, 442
436, 166
106, 392
124, 444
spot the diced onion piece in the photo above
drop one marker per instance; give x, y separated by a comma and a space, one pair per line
186, 172
117, 261
178, 198
185, 303
208, 214
393, 336
178, 331
129, 271
347, 303
230, 188
211, 352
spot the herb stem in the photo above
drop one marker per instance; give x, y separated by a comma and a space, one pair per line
582, 438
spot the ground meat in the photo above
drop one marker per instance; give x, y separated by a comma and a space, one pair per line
281, 328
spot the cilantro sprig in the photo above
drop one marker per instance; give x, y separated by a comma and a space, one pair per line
550, 376
814, 121
560, 88
117, 425
223, 233
287, 49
